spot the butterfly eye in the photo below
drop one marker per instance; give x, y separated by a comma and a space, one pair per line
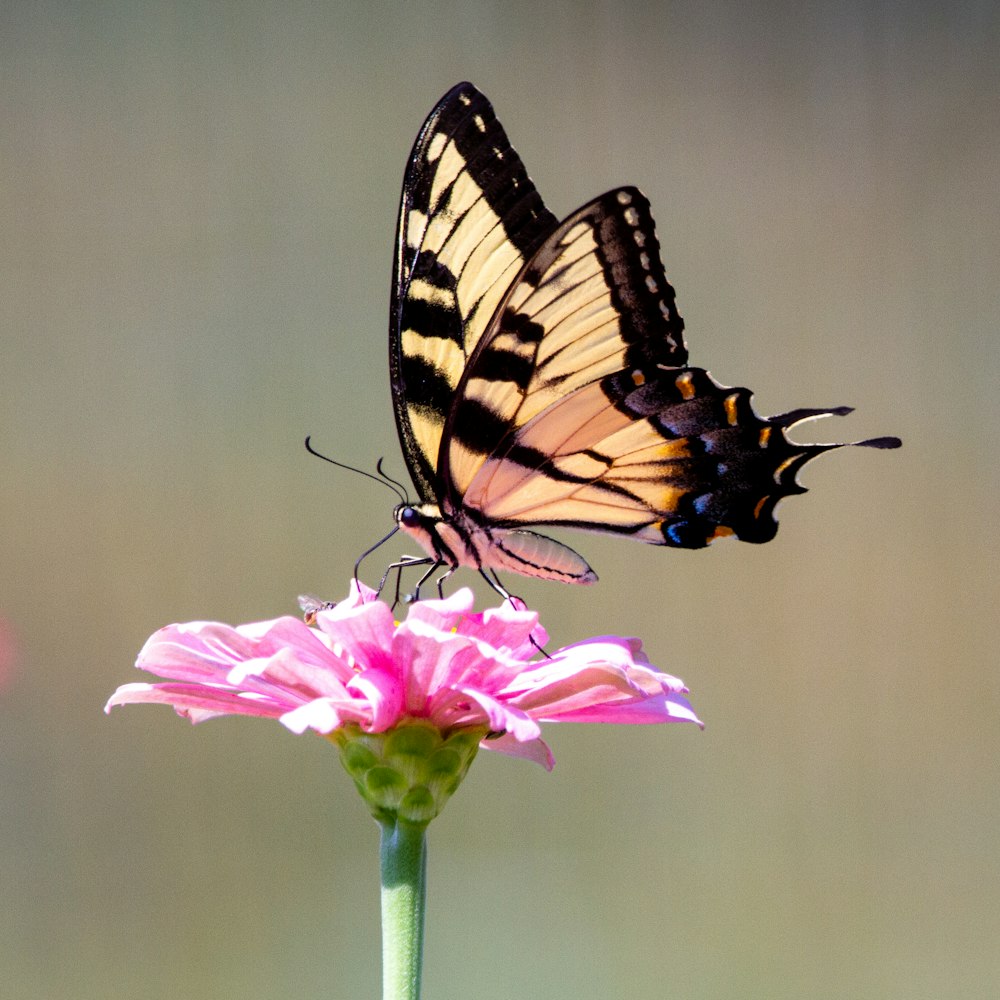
409, 517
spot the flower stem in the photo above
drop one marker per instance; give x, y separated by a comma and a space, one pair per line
403, 859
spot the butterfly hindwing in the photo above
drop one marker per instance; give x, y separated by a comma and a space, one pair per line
469, 219
592, 300
666, 456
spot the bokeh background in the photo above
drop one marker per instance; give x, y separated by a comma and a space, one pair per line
197, 209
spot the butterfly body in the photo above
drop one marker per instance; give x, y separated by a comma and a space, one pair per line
454, 539
540, 377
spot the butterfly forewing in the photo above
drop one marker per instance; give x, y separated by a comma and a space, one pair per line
469, 219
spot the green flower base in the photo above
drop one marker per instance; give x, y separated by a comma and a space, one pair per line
409, 772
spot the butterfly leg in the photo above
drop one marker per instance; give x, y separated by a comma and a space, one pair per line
494, 581
517, 603
399, 566
435, 564
440, 581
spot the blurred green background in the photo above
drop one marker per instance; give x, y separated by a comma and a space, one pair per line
197, 207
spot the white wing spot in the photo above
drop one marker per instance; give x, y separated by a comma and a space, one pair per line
624, 198
644, 260
465, 99
416, 224
651, 283
480, 124
640, 238
631, 216
664, 308
436, 146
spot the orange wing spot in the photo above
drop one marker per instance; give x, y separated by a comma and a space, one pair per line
638, 378
765, 436
685, 385
722, 531
730, 405
780, 470
760, 506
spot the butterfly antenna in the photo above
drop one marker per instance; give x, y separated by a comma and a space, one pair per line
380, 478
395, 482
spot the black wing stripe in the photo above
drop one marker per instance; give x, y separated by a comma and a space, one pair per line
502, 364
522, 326
477, 426
432, 312
430, 388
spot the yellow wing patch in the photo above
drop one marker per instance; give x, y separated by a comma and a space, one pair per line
601, 466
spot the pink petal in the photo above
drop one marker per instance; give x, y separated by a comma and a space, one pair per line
424, 659
201, 650
289, 671
196, 702
509, 629
504, 718
535, 750
382, 693
442, 614
363, 632
324, 715
654, 709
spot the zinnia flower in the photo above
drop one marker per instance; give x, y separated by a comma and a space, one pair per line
445, 679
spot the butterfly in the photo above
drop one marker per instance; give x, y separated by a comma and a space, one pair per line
539, 373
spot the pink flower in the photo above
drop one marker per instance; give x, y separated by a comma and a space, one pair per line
444, 665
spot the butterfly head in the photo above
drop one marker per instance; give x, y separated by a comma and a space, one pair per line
421, 521
415, 517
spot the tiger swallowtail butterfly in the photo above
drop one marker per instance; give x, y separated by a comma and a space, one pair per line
539, 373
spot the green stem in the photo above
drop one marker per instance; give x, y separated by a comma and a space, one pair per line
403, 858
